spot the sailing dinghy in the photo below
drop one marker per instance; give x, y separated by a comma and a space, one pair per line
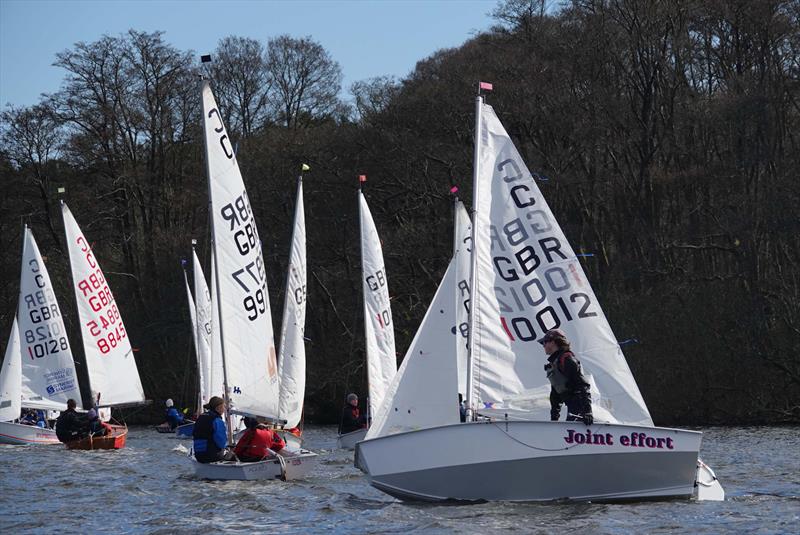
113, 375
525, 280
250, 375
38, 370
378, 325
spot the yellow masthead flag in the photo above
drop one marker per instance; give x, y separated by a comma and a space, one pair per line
305, 168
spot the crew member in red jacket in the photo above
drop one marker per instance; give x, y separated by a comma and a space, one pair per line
258, 442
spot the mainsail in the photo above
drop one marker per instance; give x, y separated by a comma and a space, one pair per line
423, 393
48, 369
11, 378
292, 361
248, 347
378, 326
203, 332
528, 280
113, 375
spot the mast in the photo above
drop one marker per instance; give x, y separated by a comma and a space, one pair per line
203, 82
473, 271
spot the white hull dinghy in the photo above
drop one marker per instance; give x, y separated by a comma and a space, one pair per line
348, 441
283, 467
21, 434
525, 279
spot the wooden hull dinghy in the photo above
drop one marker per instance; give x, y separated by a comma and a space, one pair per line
112, 441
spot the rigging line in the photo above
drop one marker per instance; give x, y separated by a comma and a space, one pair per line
565, 448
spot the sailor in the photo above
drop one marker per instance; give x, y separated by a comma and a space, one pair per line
174, 418
568, 384
97, 427
352, 420
70, 425
258, 442
210, 434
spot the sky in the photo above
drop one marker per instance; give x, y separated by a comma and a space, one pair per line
367, 37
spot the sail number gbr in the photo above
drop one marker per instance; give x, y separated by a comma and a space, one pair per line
252, 277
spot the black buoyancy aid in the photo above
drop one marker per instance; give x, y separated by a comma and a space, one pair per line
556, 374
203, 435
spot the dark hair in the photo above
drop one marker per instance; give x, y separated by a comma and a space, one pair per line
71, 403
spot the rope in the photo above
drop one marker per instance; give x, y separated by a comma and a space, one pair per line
565, 448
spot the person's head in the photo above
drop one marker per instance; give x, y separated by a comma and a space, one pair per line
250, 422
553, 340
169, 403
217, 404
352, 399
71, 404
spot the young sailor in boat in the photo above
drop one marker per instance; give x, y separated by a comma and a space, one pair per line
352, 419
174, 418
211, 435
70, 425
568, 385
97, 427
258, 442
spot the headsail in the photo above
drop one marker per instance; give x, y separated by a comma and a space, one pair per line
109, 357
292, 361
48, 369
462, 249
215, 373
198, 356
248, 346
378, 326
11, 378
528, 280
424, 391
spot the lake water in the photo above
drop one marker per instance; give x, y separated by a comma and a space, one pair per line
148, 488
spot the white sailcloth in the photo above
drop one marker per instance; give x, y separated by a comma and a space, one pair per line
292, 360
11, 378
246, 325
461, 255
203, 332
529, 280
109, 357
378, 326
48, 369
424, 392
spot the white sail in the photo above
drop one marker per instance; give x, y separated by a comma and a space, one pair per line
528, 280
11, 378
193, 318
378, 326
424, 391
248, 346
461, 254
292, 360
48, 369
113, 375
216, 375
203, 332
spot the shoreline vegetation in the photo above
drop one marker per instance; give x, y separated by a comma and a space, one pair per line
662, 134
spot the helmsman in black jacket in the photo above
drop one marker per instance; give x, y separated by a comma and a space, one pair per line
568, 384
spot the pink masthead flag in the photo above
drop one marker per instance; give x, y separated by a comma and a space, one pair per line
485, 86
362, 178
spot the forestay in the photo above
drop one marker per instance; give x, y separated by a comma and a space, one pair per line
11, 378
529, 280
424, 391
248, 346
292, 361
113, 375
378, 326
48, 369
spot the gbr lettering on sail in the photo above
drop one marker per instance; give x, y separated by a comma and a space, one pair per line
537, 285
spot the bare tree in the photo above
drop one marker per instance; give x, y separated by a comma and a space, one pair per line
305, 81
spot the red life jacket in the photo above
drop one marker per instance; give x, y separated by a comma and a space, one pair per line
255, 443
